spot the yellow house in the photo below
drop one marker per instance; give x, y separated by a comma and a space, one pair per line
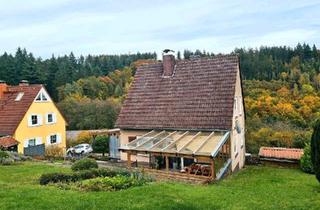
28, 114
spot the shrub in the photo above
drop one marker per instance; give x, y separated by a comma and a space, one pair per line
3, 154
5, 159
305, 161
83, 137
84, 164
315, 149
57, 177
101, 144
111, 183
81, 175
54, 151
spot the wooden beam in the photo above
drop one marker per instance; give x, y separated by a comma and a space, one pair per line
159, 142
129, 160
175, 141
151, 138
212, 169
167, 163
222, 141
134, 141
186, 144
204, 142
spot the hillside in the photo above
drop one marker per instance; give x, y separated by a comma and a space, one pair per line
281, 88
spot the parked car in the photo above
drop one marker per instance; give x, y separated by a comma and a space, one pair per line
80, 149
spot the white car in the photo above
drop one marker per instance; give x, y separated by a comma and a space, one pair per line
80, 149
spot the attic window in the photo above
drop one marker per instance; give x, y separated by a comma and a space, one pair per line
19, 96
42, 96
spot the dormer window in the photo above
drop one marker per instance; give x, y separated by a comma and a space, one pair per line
19, 96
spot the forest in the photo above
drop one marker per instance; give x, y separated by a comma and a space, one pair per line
281, 88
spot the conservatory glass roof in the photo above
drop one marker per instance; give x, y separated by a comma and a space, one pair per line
191, 143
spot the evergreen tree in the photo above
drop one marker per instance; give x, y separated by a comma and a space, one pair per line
315, 149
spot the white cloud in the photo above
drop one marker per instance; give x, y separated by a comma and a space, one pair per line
61, 26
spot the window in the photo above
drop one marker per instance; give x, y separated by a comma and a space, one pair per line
19, 96
31, 142
53, 139
42, 96
131, 138
51, 118
34, 119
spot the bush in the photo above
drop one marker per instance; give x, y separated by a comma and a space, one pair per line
54, 151
57, 177
84, 164
83, 137
5, 158
81, 175
101, 144
111, 183
305, 161
3, 154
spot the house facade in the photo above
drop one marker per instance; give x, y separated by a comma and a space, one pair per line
189, 112
28, 114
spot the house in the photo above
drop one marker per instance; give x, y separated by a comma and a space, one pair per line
185, 115
280, 156
28, 115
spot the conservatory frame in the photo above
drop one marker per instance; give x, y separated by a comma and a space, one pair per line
208, 147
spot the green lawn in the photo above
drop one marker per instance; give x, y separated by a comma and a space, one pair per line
252, 188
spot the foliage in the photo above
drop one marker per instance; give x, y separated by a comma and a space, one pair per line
286, 189
305, 161
81, 175
84, 137
56, 177
3, 154
54, 151
84, 164
83, 113
315, 149
278, 115
111, 183
5, 159
101, 144
52, 72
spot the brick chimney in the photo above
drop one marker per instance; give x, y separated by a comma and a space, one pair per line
169, 62
3, 88
24, 83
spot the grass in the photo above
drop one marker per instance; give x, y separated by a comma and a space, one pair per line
252, 188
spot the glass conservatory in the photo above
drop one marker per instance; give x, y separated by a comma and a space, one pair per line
192, 152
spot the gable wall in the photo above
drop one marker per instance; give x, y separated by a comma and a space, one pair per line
24, 132
238, 159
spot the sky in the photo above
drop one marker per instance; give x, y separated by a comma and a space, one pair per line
95, 27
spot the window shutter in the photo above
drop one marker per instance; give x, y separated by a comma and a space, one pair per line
38, 140
54, 116
29, 120
48, 140
58, 138
39, 119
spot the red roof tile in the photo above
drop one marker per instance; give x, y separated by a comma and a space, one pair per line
8, 141
11, 111
281, 153
199, 96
